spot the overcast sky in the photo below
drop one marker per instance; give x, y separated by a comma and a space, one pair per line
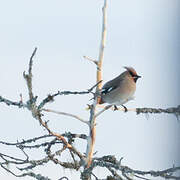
141, 34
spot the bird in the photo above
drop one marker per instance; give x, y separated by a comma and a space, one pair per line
121, 89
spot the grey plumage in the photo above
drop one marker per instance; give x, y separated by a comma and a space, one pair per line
120, 89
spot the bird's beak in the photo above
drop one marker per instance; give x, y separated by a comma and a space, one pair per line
138, 76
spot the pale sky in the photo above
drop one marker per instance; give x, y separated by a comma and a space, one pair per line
141, 34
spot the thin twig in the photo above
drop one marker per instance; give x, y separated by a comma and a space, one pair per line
105, 108
32, 174
63, 178
8, 102
26, 141
90, 90
10, 157
90, 59
141, 177
28, 76
67, 114
31, 61
50, 97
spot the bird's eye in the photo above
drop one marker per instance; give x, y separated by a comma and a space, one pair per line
131, 73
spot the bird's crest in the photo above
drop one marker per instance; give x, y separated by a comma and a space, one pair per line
131, 70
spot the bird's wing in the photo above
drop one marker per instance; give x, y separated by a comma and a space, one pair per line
110, 86
107, 89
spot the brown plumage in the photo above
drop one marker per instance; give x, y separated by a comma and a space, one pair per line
120, 89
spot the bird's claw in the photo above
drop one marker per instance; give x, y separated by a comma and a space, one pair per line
125, 108
115, 108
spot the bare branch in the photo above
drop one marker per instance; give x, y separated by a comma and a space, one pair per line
90, 90
32, 174
31, 61
67, 114
105, 108
141, 177
6, 157
50, 98
170, 110
37, 114
26, 141
114, 173
90, 59
92, 119
63, 178
20, 104
71, 135
103, 42
28, 77
111, 162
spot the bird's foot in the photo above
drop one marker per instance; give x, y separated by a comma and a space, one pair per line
115, 108
125, 108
